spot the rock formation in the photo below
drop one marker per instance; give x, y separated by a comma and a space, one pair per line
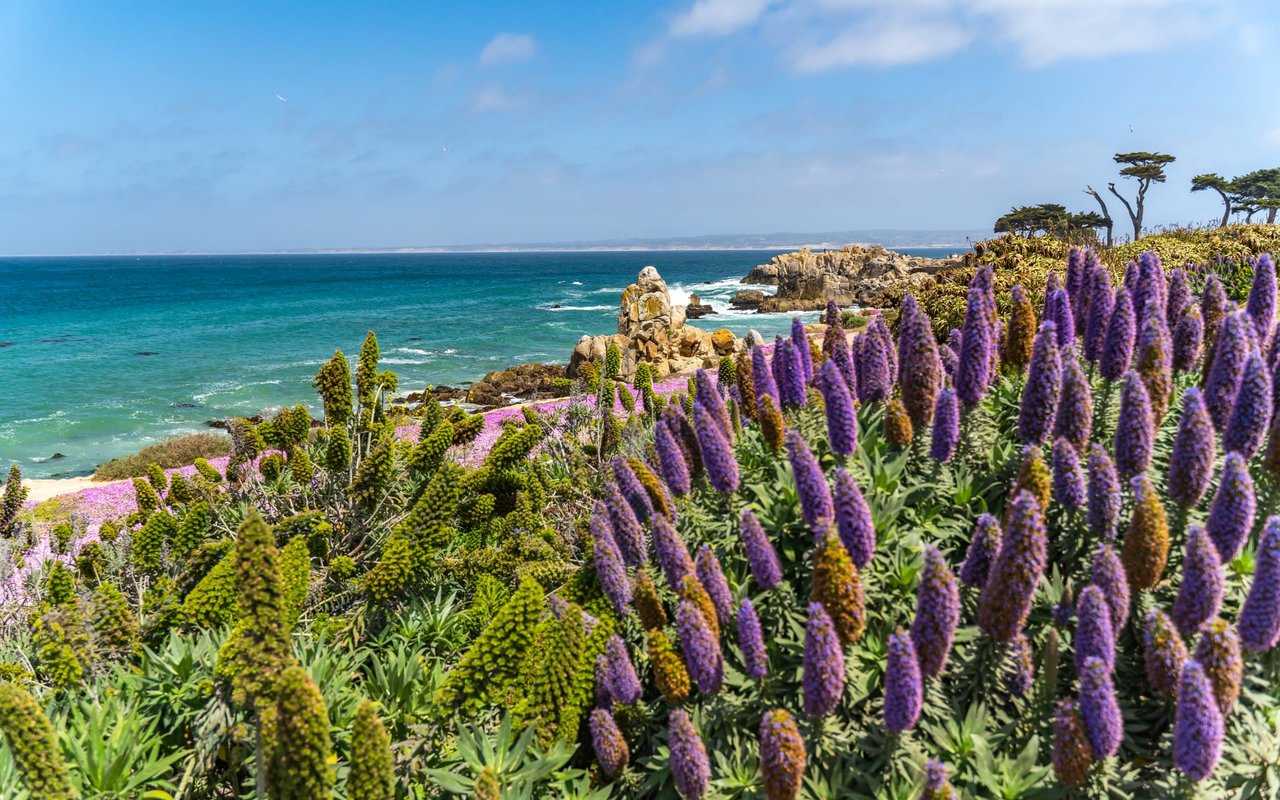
652, 330
806, 280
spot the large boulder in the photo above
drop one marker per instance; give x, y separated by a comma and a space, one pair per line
653, 331
806, 280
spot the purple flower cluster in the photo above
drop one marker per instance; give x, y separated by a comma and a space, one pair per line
800, 341
1179, 297
1121, 330
874, 374
937, 613
853, 520
1022, 668
624, 684
1075, 406
707, 567
1104, 494
1260, 616
755, 656
701, 650
1198, 728
837, 348
1188, 340
1200, 593
1068, 478
1107, 573
1072, 753
632, 489
1101, 302
1218, 651
973, 372
1010, 588
1261, 306
1044, 382
782, 756
610, 569
762, 558
983, 548
842, 422
717, 452
1232, 512
1231, 351
705, 392
919, 366
1099, 710
762, 377
1163, 652
1194, 451
606, 741
788, 372
811, 484
1057, 308
1135, 428
1251, 414
936, 785
823, 680
1094, 637
675, 471
627, 531
903, 686
673, 556
690, 768
946, 427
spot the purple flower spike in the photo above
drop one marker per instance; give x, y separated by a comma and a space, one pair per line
1188, 340
1150, 292
632, 489
1107, 573
624, 684
1094, 637
1068, 478
608, 744
1121, 331
795, 391
627, 531
874, 375
782, 756
1010, 588
946, 427
717, 452
1230, 353
1251, 415
919, 366
853, 520
973, 373
1044, 382
1194, 451
610, 569
711, 576
705, 392
1022, 673
762, 377
842, 422
673, 556
1261, 306
1163, 652
800, 340
1179, 297
1154, 364
1099, 710
1232, 512
762, 558
1219, 653
936, 785
1075, 407
603, 692
755, 656
701, 650
982, 552
1101, 302
1198, 728
1214, 308
1104, 494
937, 613
1260, 616
1200, 593
811, 484
690, 769
675, 470
1135, 429
823, 681
1072, 754
837, 347
903, 687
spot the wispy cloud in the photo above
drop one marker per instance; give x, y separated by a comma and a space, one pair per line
507, 48
719, 17
883, 42
494, 98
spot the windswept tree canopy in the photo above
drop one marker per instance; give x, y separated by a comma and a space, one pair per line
1047, 218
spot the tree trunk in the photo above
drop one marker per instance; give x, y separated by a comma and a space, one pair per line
1226, 211
1136, 219
1089, 190
1271, 215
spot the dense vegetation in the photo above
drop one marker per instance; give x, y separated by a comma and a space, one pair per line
1035, 560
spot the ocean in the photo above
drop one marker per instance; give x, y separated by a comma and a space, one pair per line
102, 355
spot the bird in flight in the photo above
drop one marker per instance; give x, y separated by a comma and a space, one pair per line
282, 99
444, 148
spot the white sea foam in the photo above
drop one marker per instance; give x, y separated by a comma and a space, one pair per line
413, 351
577, 283
407, 361
576, 308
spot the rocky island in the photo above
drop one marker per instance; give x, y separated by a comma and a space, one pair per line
856, 274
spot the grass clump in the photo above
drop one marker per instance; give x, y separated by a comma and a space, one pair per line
169, 454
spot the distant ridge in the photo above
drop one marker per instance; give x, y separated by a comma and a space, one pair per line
888, 237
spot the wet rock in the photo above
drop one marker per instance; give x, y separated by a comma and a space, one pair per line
697, 309
146, 353
747, 298
523, 382
806, 279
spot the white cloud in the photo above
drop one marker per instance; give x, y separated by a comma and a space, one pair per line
506, 48
719, 17
883, 43
495, 99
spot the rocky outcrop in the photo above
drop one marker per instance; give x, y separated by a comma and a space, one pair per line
652, 330
697, 309
523, 382
806, 280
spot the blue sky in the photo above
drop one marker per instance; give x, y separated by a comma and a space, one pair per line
144, 126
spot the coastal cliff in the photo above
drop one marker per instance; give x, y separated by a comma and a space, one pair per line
806, 279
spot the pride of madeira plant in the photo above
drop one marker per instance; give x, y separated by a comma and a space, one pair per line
1012, 540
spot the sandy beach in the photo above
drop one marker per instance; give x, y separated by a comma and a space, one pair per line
42, 489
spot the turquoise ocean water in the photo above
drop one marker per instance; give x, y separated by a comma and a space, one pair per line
100, 356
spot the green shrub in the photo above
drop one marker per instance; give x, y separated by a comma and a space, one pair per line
179, 451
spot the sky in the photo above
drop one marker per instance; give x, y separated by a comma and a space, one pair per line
140, 126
